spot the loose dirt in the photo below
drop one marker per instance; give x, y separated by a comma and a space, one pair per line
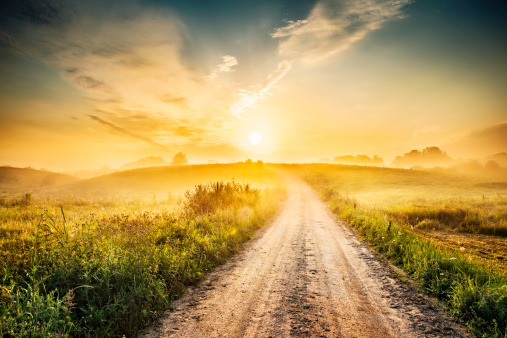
305, 275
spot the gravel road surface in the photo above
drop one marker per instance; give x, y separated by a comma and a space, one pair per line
305, 275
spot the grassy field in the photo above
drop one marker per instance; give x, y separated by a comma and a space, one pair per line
161, 180
447, 231
72, 265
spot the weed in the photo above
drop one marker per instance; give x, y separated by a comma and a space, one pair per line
211, 197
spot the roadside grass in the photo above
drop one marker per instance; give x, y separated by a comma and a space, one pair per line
398, 210
110, 267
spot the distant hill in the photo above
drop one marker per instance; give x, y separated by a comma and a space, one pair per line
151, 161
170, 179
27, 180
89, 173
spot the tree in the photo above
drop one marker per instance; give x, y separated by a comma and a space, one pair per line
429, 156
363, 159
377, 160
492, 165
179, 159
348, 159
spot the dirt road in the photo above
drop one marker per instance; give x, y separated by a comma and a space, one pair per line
306, 274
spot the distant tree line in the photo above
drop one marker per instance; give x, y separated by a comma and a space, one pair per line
428, 157
359, 159
434, 157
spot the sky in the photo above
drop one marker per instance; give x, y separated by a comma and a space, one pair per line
86, 84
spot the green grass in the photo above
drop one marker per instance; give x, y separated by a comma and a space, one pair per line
110, 267
472, 291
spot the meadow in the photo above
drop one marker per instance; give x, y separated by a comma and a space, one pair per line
83, 265
107, 256
447, 231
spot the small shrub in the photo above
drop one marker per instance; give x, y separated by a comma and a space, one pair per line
211, 197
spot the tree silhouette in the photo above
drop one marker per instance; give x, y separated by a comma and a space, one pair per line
179, 159
492, 165
429, 156
359, 159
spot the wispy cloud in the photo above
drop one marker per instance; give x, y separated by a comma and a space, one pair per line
330, 28
427, 131
186, 131
131, 62
333, 26
122, 131
125, 59
254, 95
292, 26
228, 61
227, 64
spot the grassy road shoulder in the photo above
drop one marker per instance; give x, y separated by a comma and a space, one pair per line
472, 291
111, 274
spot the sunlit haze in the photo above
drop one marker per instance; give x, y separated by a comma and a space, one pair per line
87, 84
255, 138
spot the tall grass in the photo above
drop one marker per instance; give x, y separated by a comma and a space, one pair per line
111, 274
209, 198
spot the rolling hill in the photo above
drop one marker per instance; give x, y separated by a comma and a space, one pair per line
173, 179
27, 180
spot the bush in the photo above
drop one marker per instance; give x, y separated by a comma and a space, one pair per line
211, 197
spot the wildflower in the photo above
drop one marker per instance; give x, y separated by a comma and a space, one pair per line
462, 248
68, 301
441, 274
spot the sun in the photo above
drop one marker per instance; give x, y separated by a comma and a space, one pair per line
255, 138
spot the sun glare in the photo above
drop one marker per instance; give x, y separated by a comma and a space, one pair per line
255, 138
